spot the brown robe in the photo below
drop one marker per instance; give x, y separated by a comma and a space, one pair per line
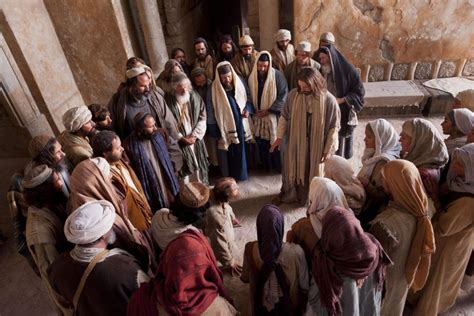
243, 67
75, 147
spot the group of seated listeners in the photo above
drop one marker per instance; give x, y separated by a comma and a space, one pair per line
117, 216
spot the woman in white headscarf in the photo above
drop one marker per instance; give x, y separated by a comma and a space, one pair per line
454, 235
423, 145
381, 146
457, 124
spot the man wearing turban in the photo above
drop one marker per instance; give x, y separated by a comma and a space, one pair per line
283, 53
79, 129
110, 276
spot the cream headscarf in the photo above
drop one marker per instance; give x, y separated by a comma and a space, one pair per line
74, 118
466, 184
406, 187
338, 169
466, 98
387, 147
323, 195
264, 127
427, 148
89, 222
464, 120
222, 111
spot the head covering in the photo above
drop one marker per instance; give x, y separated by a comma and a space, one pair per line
327, 37
188, 279
387, 147
323, 194
134, 72
245, 40
75, 118
270, 231
197, 72
36, 176
200, 40
339, 169
194, 194
37, 144
282, 35
466, 184
427, 148
304, 46
466, 98
345, 250
464, 120
406, 188
89, 222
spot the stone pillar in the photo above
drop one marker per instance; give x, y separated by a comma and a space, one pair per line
387, 74
436, 66
153, 34
364, 76
269, 22
459, 67
411, 71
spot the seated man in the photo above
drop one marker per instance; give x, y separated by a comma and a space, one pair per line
79, 129
93, 279
187, 212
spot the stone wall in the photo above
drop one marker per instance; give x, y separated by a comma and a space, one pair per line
394, 37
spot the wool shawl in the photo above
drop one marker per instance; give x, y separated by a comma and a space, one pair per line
223, 113
264, 127
144, 169
406, 189
190, 165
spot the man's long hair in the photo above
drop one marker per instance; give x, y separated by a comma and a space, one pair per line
313, 79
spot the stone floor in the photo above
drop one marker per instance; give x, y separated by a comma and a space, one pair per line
21, 292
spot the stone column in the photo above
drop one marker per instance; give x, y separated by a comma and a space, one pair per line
269, 22
153, 34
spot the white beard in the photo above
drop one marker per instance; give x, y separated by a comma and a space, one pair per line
326, 69
183, 98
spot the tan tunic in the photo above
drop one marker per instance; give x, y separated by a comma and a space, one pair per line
454, 233
396, 240
220, 230
75, 147
242, 66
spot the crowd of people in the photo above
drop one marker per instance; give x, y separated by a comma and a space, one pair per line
117, 215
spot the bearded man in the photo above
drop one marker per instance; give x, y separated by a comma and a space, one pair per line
307, 132
146, 149
303, 59
283, 53
227, 49
79, 129
268, 90
203, 57
243, 61
189, 111
107, 144
344, 82
179, 55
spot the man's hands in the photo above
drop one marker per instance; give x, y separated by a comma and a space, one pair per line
187, 140
234, 269
245, 114
276, 145
262, 113
340, 100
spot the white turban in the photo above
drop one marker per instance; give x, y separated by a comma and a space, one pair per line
466, 98
282, 35
132, 73
89, 222
304, 46
464, 120
75, 118
328, 37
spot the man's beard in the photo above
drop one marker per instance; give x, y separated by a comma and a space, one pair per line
262, 75
248, 56
183, 98
92, 133
326, 69
282, 48
139, 95
228, 55
201, 57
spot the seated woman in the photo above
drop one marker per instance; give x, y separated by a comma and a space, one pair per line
347, 264
187, 282
187, 212
454, 235
277, 271
457, 124
405, 232
381, 146
339, 169
423, 145
220, 220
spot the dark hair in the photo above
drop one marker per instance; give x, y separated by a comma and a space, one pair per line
264, 57
223, 189
224, 69
313, 79
44, 194
102, 142
46, 156
200, 40
188, 215
99, 112
176, 50
133, 61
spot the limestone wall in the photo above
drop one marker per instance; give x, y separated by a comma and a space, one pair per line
396, 38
